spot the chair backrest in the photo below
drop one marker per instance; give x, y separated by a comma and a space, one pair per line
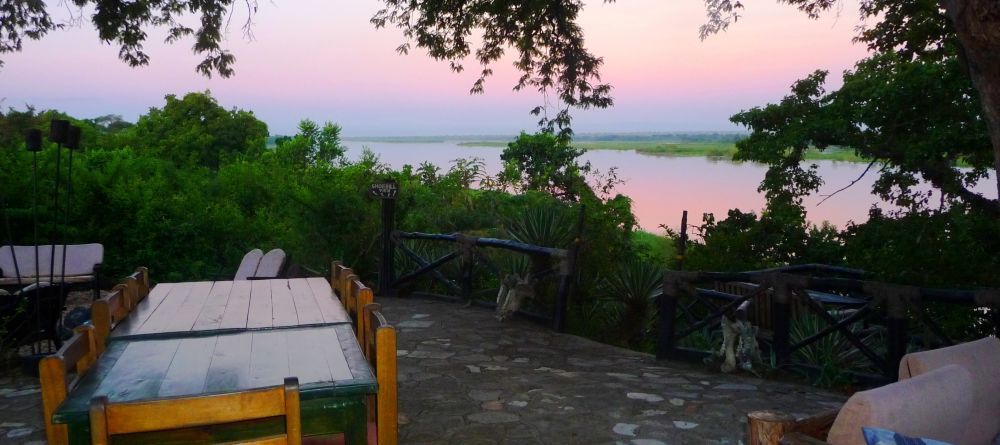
75, 356
982, 359
109, 419
81, 259
380, 349
343, 274
139, 280
271, 264
360, 296
108, 311
248, 266
334, 265
913, 407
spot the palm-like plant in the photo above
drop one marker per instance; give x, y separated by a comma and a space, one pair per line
833, 354
631, 290
542, 226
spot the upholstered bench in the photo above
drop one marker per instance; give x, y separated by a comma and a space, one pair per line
950, 394
82, 265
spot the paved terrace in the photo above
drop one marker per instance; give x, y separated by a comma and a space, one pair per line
465, 378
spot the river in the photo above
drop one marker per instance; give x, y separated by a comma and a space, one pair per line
662, 187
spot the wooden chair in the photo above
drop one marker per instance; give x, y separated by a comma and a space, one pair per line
359, 297
334, 268
111, 309
342, 275
380, 349
140, 280
109, 419
74, 357
108, 311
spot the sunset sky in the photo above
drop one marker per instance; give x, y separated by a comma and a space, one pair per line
323, 60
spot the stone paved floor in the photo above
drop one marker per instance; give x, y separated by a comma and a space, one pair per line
466, 379
20, 409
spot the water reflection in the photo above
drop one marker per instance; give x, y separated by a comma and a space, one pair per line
661, 187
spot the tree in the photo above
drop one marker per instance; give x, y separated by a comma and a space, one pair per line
196, 130
544, 162
110, 123
312, 145
913, 111
545, 33
961, 37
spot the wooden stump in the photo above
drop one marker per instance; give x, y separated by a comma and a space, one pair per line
767, 427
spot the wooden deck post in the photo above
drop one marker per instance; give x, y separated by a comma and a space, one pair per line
899, 301
467, 247
682, 242
386, 192
783, 287
567, 273
667, 313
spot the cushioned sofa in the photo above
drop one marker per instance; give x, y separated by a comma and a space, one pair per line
950, 394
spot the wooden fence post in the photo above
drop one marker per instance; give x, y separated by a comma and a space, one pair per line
899, 300
782, 288
682, 242
567, 273
674, 283
467, 246
386, 192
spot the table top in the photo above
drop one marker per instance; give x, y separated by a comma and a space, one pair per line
178, 308
326, 359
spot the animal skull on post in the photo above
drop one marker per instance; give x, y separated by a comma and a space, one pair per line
513, 291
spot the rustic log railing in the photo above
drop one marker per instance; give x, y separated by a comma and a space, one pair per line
890, 307
468, 251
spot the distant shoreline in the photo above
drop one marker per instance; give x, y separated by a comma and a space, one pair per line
708, 144
721, 150
666, 148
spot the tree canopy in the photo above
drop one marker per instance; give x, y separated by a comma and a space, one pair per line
911, 108
196, 130
913, 41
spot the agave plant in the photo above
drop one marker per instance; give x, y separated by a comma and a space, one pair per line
833, 354
632, 290
542, 226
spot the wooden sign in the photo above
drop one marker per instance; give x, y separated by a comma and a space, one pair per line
387, 189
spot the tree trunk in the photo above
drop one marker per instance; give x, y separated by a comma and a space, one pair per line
767, 427
977, 23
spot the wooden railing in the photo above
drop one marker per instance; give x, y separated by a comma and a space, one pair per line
779, 297
547, 263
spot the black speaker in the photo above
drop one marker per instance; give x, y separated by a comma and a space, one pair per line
73, 137
58, 130
33, 140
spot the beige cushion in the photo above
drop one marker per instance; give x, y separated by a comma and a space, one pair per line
80, 260
934, 405
271, 264
249, 264
982, 359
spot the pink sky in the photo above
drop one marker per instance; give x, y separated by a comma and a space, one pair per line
324, 61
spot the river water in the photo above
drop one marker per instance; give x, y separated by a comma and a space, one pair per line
662, 187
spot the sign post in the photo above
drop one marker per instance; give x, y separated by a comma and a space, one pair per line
386, 191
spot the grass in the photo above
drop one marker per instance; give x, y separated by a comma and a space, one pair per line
654, 248
715, 150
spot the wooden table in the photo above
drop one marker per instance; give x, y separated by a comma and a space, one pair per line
177, 308
334, 378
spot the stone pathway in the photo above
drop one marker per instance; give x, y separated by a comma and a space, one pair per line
465, 378
20, 411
